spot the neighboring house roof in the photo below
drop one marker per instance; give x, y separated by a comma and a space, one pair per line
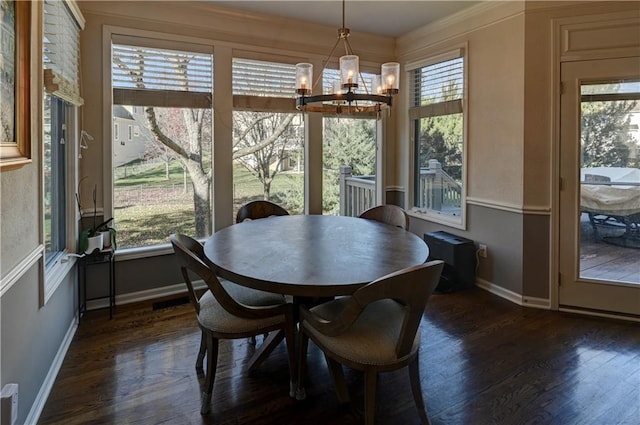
120, 111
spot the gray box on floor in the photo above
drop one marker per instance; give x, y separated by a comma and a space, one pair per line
459, 255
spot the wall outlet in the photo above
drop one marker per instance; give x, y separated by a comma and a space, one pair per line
482, 250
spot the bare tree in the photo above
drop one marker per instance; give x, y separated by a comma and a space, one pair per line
187, 131
261, 142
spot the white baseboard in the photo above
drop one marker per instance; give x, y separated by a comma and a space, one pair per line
149, 294
514, 297
49, 380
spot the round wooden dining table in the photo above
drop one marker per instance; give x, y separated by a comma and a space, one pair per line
312, 255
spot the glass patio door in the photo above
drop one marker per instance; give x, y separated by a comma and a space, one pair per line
599, 261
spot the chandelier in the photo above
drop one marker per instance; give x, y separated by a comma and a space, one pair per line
377, 94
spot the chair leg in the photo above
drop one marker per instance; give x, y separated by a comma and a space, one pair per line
302, 363
201, 352
416, 389
370, 384
290, 338
212, 361
337, 376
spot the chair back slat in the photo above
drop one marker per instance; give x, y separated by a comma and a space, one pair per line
259, 209
389, 214
191, 257
411, 287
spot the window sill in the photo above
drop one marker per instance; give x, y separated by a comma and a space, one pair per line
55, 274
455, 222
143, 252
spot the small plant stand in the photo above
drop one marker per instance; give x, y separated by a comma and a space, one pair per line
106, 256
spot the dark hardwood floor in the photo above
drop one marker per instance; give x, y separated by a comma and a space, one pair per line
483, 360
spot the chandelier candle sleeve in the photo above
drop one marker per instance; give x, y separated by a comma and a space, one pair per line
376, 84
391, 77
304, 76
349, 71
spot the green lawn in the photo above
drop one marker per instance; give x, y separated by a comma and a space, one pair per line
150, 207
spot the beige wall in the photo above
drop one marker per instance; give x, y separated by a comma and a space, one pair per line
512, 143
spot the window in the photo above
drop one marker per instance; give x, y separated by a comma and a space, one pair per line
162, 181
268, 135
438, 119
349, 157
116, 131
55, 166
60, 57
130, 132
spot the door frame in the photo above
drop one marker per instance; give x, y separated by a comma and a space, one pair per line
564, 32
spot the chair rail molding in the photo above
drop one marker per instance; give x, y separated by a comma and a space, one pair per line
510, 207
20, 269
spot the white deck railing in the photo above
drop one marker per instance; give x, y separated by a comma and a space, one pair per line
357, 193
436, 190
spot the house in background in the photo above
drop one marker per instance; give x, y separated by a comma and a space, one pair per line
521, 58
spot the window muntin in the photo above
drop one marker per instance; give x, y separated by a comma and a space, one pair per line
162, 179
438, 116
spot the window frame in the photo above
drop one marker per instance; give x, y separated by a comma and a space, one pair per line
412, 124
56, 269
66, 90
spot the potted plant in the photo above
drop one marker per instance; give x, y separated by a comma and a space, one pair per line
98, 236
108, 234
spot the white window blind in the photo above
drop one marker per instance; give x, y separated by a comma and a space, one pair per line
61, 52
260, 78
161, 77
437, 89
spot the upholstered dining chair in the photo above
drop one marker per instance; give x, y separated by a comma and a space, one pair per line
221, 316
389, 214
374, 330
255, 210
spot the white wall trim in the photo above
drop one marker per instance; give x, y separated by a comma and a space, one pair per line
598, 314
55, 275
534, 302
514, 297
20, 269
510, 207
499, 291
45, 389
146, 295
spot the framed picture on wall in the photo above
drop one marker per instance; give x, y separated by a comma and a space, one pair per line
15, 84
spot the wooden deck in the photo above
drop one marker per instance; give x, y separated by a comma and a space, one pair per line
608, 261
484, 360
